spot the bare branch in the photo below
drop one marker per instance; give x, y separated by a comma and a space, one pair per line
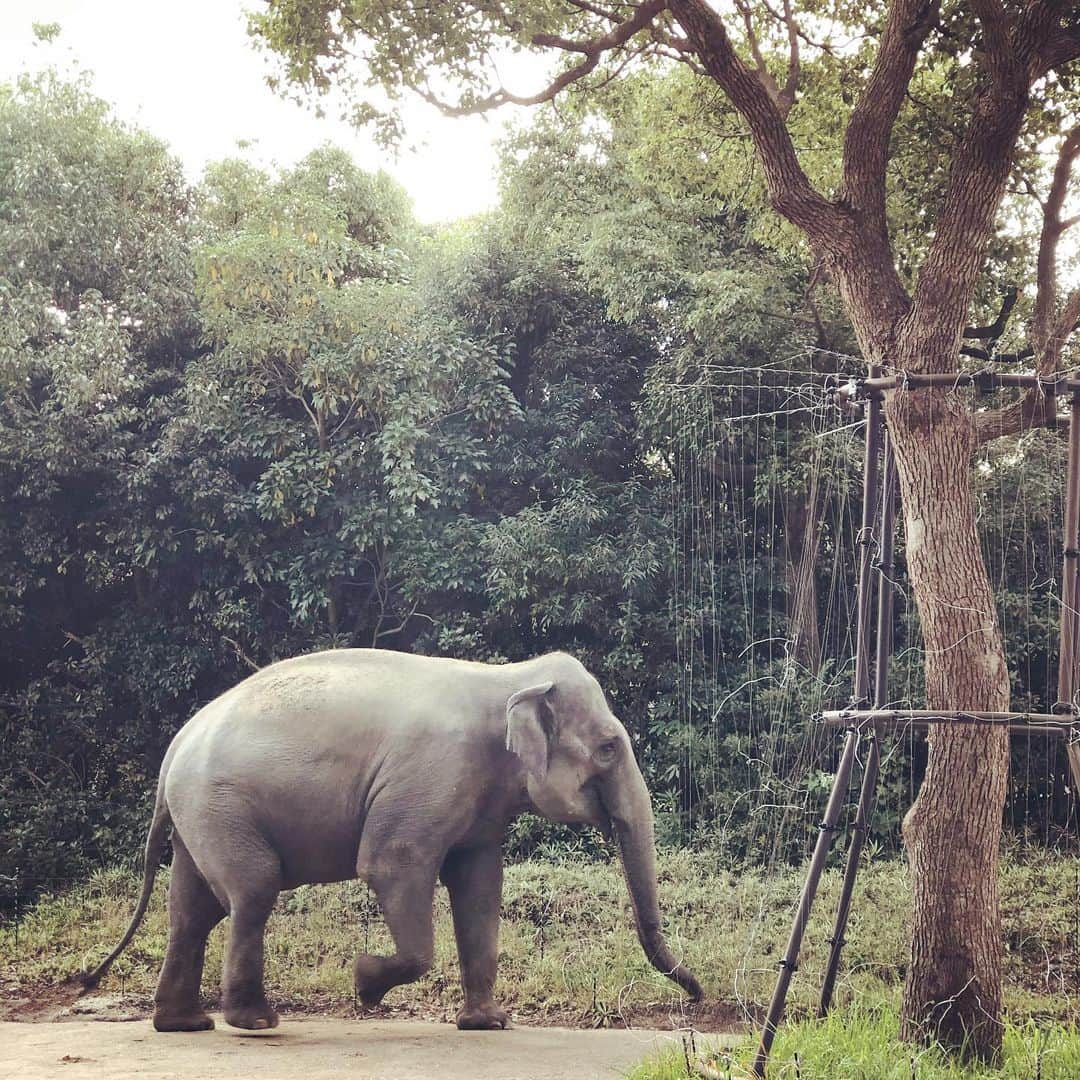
676, 48
1000, 56
791, 85
866, 143
790, 190
591, 50
241, 655
977, 180
760, 66
1046, 268
1035, 409
1060, 50
997, 327
593, 9
1053, 46
1050, 329
796, 28
783, 98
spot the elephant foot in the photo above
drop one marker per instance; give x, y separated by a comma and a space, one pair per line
254, 1017
369, 978
483, 1018
196, 1020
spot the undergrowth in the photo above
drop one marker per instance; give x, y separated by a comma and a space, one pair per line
568, 951
859, 1043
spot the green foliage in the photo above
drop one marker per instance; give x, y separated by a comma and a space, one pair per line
272, 414
97, 309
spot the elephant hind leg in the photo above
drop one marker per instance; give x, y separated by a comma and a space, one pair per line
193, 912
252, 887
405, 896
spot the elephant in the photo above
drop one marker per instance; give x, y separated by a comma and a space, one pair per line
397, 769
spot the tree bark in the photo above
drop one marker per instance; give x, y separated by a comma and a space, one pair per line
952, 832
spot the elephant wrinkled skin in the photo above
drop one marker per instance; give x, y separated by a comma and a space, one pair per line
396, 769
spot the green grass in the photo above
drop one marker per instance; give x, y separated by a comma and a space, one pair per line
863, 1044
568, 951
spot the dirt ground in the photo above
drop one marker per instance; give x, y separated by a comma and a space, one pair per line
321, 1048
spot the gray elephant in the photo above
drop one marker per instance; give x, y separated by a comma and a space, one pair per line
396, 769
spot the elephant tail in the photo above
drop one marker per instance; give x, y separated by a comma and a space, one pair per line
155, 845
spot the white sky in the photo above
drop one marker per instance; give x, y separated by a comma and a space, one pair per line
188, 73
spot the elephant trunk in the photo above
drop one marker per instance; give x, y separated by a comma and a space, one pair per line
627, 801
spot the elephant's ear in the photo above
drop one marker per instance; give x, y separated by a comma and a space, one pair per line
526, 730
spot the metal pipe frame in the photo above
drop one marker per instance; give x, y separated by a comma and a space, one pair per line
1069, 655
1068, 676
838, 796
857, 718
981, 380
872, 766
1057, 722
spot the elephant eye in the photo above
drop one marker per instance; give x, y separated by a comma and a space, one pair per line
606, 751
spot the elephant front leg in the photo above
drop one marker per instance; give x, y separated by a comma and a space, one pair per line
405, 896
474, 879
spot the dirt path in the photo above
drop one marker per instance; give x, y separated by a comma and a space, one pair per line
321, 1049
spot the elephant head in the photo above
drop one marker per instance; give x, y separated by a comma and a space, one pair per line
579, 767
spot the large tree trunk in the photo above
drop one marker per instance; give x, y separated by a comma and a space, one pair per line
952, 832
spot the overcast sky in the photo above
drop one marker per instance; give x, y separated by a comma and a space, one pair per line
189, 73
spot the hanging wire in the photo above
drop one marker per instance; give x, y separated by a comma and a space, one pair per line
758, 445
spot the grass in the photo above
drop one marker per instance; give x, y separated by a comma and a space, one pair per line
568, 952
863, 1044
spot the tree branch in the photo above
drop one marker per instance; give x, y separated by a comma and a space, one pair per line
1060, 50
591, 50
977, 180
997, 327
866, 142
760, 67
1054, 46
1053, 226
241, 655
998, 52
790, 190
1035, 409
1050, 329
791, 85
593, 9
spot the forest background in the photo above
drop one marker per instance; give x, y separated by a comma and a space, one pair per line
272, 413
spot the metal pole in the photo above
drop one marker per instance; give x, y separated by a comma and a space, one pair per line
838, 796
873, 754
1069, 662
790, 963
1067, 667
865, 544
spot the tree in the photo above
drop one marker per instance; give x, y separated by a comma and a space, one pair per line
336, 419
97, 315
1011, 66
